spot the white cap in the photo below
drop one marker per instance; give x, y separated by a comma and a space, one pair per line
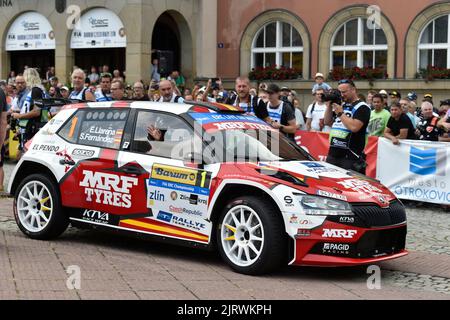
319, 75
64, 88
384, 92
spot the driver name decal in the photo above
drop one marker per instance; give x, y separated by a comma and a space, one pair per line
230, 122
360, 186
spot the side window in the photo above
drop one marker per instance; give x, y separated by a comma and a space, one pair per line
162, 135
96, 128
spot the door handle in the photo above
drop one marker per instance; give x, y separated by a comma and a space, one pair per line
132, 170
65, 162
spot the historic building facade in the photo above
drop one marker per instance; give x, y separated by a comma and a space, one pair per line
123, 34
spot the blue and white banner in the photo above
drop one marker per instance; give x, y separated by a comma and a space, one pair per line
415, 170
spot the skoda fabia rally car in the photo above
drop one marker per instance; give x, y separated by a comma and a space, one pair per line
203, 175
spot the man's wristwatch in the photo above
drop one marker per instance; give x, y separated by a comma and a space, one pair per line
281, 128
339, 114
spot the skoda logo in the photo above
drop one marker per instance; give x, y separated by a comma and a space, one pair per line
382, 200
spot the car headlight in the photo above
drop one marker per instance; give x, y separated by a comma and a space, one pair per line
320, 206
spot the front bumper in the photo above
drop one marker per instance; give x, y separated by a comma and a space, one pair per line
335, 244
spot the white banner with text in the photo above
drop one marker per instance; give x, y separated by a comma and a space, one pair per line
415, 170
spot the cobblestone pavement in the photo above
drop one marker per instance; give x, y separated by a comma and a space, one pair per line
117, 267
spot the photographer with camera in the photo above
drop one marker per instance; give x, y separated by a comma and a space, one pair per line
168, 93
250, 104
349, 118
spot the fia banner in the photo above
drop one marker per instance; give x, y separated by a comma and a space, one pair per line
318, 145
415, 170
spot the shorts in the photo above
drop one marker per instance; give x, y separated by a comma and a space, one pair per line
2, 156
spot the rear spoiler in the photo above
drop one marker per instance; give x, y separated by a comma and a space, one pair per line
55, 102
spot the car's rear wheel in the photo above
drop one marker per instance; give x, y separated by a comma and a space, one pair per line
37, 208
251, 236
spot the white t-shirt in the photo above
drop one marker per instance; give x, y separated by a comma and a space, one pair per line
319, 113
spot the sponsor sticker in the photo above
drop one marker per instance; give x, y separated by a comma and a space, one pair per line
188, 223
347, 220
165, 216
177, 187
181, 210
303, 233
293, 219
317, 168
180, 175
95, 216
339, 233
288, 201
46, 148
230, 122
177, 190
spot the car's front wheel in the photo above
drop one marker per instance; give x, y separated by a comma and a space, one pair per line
38, 209
251, 236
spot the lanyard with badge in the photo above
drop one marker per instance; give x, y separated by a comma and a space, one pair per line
275, 113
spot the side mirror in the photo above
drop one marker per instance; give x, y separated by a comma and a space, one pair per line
193, 158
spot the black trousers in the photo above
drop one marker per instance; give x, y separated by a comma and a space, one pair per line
349, 163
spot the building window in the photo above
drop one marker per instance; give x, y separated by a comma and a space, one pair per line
356, 45
434, 44
278, 43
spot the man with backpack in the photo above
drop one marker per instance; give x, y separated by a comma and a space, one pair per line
3, 124
80, 92
30, 117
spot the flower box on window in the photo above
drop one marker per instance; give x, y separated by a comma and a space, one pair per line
274, 73
431, 73
355, 73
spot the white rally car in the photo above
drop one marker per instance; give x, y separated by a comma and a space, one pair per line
203, 175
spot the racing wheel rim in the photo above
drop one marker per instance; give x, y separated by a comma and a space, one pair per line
242, 235
34, 206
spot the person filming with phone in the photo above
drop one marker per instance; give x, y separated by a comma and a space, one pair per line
349, 118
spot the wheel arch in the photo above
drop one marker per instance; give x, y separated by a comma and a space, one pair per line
28, 168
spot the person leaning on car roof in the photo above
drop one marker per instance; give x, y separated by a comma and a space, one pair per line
281, 112
166, 88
